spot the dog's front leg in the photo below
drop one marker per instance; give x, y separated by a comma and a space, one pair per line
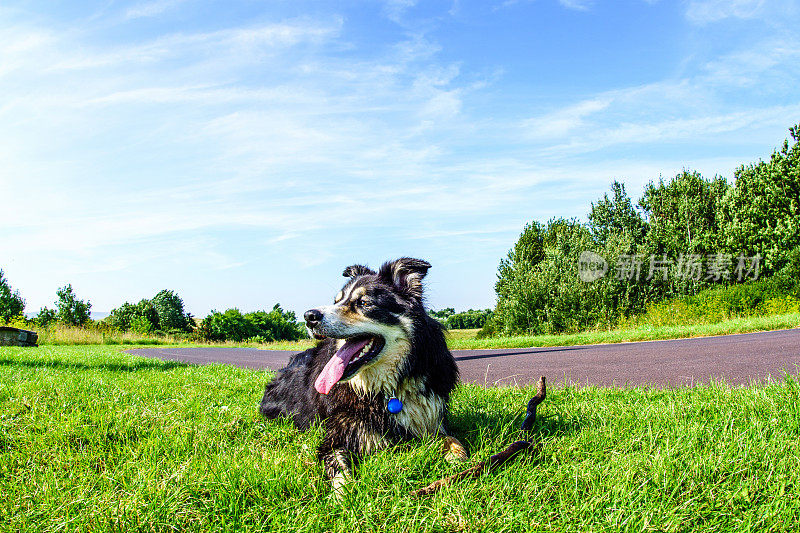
338, 465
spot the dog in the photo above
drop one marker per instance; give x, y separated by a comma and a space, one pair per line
380, 373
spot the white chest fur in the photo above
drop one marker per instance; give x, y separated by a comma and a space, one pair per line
421, 414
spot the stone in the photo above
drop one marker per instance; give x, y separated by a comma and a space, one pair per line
17, 337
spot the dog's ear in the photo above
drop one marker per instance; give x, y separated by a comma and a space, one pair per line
406, 275
356, 270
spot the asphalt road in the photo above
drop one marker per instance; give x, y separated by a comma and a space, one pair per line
737, 359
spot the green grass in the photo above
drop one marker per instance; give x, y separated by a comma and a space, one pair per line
465, 339
646, 332
760, 306
92, 439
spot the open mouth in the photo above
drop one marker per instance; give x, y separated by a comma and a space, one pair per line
366, 349
356, 352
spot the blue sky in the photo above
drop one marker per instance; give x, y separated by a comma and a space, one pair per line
242, 153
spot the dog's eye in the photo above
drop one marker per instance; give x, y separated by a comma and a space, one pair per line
362, 303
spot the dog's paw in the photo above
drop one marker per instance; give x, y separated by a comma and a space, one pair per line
339, 487
454, 451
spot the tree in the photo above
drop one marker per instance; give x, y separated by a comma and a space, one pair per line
688, 228
616, 215
682, 214
171, 315
46, 317
12, 304
471, 319
538, 289
760, 214
165, 312
276, 324
228, 326
232, 325
141, 317
121, 317
71, 310
443, 314
529, 248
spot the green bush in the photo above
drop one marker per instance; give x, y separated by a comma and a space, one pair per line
760, 214
46, 317
141, 325
12, 305
232, 325
682, 220
164, 313
276, 325
616, 216
443, 314
791, 265
539, 290
768, 296
169, 310
142, 316
471, 319
70, 310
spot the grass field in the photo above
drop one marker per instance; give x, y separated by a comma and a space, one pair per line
464, 339
92, 439
651, 329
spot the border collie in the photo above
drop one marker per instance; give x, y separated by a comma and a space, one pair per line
380, 374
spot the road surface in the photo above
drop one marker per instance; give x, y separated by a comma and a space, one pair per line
737, 359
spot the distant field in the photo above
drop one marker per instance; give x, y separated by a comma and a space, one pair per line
462, 339
640, 333
457, 335
92, 439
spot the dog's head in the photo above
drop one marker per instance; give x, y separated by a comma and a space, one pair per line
372, 322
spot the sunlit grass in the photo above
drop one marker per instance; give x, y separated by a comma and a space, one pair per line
92, 439
59, 334
637, 329
644, 332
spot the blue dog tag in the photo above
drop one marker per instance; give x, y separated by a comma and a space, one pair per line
394, 406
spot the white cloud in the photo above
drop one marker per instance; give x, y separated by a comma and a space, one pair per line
193, 149
579, 5
151, 9
19, 46
396, 9
683, 130
564, 121
689, 110
234, 44
767, 65
702, 12
256, 146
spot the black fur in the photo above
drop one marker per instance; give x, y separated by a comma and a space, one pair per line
353, 271
391, 297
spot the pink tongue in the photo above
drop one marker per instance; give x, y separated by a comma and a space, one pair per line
334, 370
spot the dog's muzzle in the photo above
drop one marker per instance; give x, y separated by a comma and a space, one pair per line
313, 318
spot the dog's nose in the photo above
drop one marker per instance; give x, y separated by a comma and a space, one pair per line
313, 317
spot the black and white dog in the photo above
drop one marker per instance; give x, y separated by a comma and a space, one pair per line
381, 373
